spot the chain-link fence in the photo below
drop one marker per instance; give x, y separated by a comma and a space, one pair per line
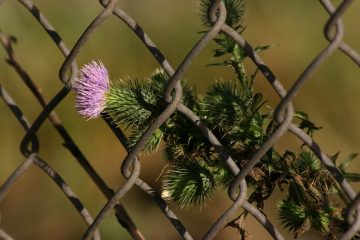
131, 165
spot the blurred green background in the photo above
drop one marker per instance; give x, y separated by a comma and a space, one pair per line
36, 209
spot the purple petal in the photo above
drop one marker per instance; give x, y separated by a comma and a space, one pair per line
91, 88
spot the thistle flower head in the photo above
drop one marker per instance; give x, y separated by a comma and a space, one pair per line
91, 88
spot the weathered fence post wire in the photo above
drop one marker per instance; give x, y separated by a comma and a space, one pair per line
131, 164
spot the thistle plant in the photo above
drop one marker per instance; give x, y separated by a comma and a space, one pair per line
237, 115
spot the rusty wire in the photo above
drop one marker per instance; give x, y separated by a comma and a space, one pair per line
131, 165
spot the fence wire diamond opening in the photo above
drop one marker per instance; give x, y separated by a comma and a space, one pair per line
173, 93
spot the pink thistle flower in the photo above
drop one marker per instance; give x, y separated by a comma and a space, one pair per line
91, 88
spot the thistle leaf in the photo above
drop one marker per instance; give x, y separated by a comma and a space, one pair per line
309, 162
223, 106
130, 103
292, 216
187, 185
152, 144
352, 177
347, 161
262, 48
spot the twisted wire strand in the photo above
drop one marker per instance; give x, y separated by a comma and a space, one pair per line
42, 20
344, 47
67, 192
182, 108
9, 182
157, 122
4, 189
353, 221
145, 187
3, 234
159, 201
278, 132
33, 158
131, 166
286, 101
62, 73
121, 214
312, 67
207, 133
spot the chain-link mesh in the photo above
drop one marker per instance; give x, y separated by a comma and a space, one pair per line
130, 169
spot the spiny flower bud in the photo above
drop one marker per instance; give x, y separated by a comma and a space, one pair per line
91, 88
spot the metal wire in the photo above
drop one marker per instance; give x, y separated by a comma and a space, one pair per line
131, 165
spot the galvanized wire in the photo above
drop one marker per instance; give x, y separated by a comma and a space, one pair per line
131, 164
